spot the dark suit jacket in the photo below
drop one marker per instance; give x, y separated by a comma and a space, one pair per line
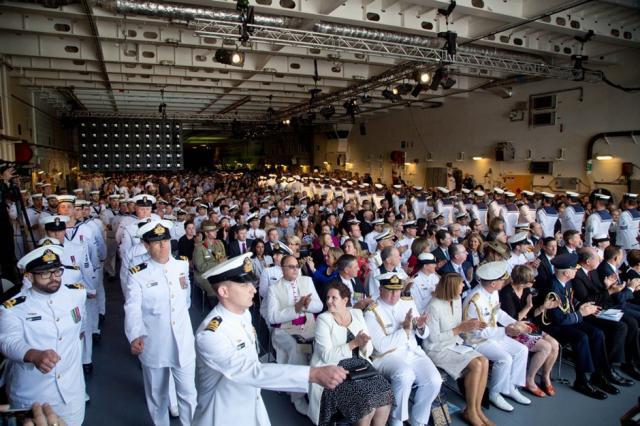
563, 250
438, 253
235, 250
545, 275
616, 299
467, 267
588, 290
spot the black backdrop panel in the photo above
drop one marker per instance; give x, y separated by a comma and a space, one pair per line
112, 145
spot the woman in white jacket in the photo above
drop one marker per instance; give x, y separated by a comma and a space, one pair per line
341, 338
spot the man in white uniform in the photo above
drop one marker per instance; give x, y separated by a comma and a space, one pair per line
158, 326
629, 223
39, 335
425, 281
509, 356
229, 372
393, 324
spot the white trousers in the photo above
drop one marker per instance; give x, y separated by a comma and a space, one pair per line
100, 295
156, 390
405, 371
72, 412
288, 351
110, 262
509, 363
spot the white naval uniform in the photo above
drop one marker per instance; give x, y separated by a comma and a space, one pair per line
34, 219
254, 234
515, 260
628, 228
45, 321
509, 213
547, 216
157, 308
98, 232
370, 240
107, 217
597, 224
423, 286
508, 355
269, 277
572, 218
399, 358
230, 374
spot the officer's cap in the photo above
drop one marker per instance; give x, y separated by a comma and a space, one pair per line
509, 194
443, 190
156, 230
410, 224
548, 194
478, 193
253, 216
238, 269
81, 203
144, 200
66, 198
37, 195
523, 226
114, 196
385, 235
390, 281
498, 190
603, 197
281, 248
377, 222
47, 241
600, 238
41, 259
572, 194
492, 271
378, 185
426, 259
518, 238
54, 223
565, 261
528, 193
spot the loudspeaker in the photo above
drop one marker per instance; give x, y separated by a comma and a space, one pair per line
499, 154
363, 129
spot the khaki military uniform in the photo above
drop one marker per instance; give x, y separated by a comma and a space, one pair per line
206, 257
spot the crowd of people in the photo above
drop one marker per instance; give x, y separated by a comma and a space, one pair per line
368, 292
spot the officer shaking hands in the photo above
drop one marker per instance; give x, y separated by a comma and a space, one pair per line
229, 372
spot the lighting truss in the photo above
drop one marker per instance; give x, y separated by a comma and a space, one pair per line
292, 37
173, 116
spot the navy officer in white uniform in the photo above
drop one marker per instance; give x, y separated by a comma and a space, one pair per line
158, 326
40, 336
229, 372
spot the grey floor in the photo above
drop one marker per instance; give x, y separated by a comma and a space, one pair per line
117, 394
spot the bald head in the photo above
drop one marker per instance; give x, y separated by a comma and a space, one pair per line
588, 258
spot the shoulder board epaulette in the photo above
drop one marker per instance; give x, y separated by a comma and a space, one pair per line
71, 267
13, 302
76, 286
185, 258
138, 268
214, 324
371, 307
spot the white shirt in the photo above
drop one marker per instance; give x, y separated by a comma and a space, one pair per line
422, 288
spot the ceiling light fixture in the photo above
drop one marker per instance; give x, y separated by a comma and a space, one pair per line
604, 157
230, 57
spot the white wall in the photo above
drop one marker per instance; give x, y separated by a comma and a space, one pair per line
475, 124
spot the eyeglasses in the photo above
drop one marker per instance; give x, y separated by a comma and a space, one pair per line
47, 274
291, 266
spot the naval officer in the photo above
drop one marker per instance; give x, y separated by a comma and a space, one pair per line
40, 331
229, 372
158, 326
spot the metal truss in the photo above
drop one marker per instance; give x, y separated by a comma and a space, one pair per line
176, 116
424, 55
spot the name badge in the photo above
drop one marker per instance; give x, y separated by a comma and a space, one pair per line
34, 318
240, 346
153, 284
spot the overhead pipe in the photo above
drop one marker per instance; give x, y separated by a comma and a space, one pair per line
189, 13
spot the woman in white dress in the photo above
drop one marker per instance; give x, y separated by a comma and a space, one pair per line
445, 346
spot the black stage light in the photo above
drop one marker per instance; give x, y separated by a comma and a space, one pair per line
230, 57
448, 83
327, 111
365, 99
416, 90
404, 89
388, 94
437, 78
450, 41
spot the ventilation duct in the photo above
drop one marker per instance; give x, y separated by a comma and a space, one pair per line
188, 13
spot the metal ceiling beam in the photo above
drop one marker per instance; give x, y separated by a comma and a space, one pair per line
235, 105
88, 10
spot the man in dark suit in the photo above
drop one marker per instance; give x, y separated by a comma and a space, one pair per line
348, 269
240, 245
546, 269
620, 294
566, 324
458, 264
441, 253
272, 241
622, 336
572, 241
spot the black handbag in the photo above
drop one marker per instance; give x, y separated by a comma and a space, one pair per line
362, 372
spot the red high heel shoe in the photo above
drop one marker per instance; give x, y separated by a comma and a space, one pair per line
549, 389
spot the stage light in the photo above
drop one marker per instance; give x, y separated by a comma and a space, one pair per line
450, 41
230, 57
437, 78
448, 83
390, 95
416, 90
403, 89
327, 111
365, 99
395, 91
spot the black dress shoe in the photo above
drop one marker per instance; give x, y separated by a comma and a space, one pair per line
87, 368
96, 338
631, 371
616, 379
100, 320
586, 389
602, 383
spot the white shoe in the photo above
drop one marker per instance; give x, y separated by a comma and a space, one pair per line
174, 412
301, 405
518, 397
500, 402
87, 398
